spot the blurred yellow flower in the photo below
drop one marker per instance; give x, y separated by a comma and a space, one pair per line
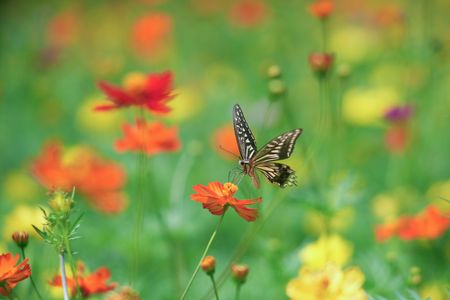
353, 44
439, 193
327, 249
318, 222
385, 207
18, 186
21, 219
186, 104
329, 283
98, 122
367, 106
434, 291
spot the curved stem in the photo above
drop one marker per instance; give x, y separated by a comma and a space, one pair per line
31, 278
214, 286
211, 239
63, 276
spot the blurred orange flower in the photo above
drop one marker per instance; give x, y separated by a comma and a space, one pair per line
148, 137
248, 13
428, 224
99, 180
217, 197
396, 139
321, 8
61, 30
224, 142
151, 92
90, 284
151, 33
10, 273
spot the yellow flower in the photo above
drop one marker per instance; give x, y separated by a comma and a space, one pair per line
434, 291
439, 193
368, 106
21, 219
329, 283
385, 207
327, 249
98, 122
187, 103
318, 222
353, 44
19, 187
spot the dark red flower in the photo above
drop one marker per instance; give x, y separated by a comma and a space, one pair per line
216, 197
151, 92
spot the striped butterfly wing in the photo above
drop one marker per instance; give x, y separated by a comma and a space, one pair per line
279, 148
279, 174
244, 136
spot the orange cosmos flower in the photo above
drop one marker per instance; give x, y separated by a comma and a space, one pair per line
10, 273
151, 92
429, 224
152, 33
99, 180
148, 137
321, 8
224, 142
217, 197
248, 13
90, 284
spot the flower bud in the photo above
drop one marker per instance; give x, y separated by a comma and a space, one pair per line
208, 264
276, 87
274, 71
20, 238
320, 63
239, 273
60, 202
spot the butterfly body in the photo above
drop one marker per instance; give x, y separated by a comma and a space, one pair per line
264, 159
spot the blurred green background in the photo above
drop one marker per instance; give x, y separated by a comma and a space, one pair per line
386, 53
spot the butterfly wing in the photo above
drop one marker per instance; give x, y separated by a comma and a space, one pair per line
279, 174
244, 136
279, 148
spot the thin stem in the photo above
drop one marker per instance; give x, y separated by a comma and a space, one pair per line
211, 239
63, 276
214, 286
72, 266
238, 291
31, 278
324, 34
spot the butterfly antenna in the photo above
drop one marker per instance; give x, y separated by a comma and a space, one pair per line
229, 152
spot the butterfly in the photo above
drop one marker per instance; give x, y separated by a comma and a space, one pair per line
263, 160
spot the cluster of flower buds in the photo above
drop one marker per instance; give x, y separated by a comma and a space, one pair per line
276, 85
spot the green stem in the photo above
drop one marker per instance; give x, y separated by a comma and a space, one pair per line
72, 266
211, 239
63, 276
324, 34
238, 291
31, 278
214, 286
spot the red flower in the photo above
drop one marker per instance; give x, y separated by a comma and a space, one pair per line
148, 137
321, 8
99, 180
94, 283
321, 62
152, 33
429, 224
216, 197
248, 13
152, 92
396, 139
10, 274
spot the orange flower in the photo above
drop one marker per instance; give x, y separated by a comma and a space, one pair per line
224, 142
152, 92
10, 274
94, 283
429, 224
216, 197
248, 13
321, 8
99, 180
396, 139
152, 33
148, 137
